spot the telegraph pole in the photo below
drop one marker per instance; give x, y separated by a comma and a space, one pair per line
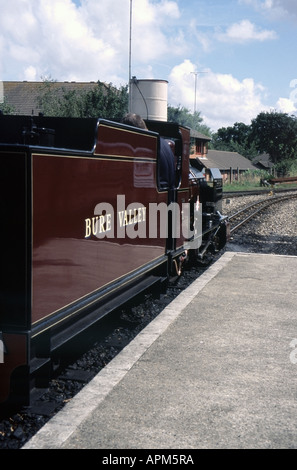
195, 98
195, 73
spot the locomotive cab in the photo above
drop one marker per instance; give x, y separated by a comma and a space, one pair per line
214, 191
211, 189
215, 227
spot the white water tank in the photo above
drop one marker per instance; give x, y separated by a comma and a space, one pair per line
149, 98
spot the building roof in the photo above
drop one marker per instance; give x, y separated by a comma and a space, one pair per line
198, 135
23, 96
263, 161
226, 160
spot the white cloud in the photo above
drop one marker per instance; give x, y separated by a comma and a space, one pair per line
181, 85
203, 39
91, 42
285, 105
276, 9
245, 31
152, 40
221, 98
30, 74
49, 37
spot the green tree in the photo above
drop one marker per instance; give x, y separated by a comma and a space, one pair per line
106, 101
235, 138
103, 101
6, 108
239, 133
183, 117
276, 134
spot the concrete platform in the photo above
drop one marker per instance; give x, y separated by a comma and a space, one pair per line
217, 369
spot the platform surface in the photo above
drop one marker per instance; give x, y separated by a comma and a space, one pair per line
217, 369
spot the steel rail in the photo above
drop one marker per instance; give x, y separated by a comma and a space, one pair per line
260, 206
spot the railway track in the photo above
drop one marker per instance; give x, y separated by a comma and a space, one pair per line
242, 216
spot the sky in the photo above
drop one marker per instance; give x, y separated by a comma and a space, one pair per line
239, 55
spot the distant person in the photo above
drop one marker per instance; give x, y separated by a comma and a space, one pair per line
166, 164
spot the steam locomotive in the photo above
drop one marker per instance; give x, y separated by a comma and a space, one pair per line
86, 226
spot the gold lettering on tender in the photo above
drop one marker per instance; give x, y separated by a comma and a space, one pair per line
88, 228
121, 218
132, 216
108, 222
102, 220
126, 219
99, 224
103, 223
139, 215
94, 225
